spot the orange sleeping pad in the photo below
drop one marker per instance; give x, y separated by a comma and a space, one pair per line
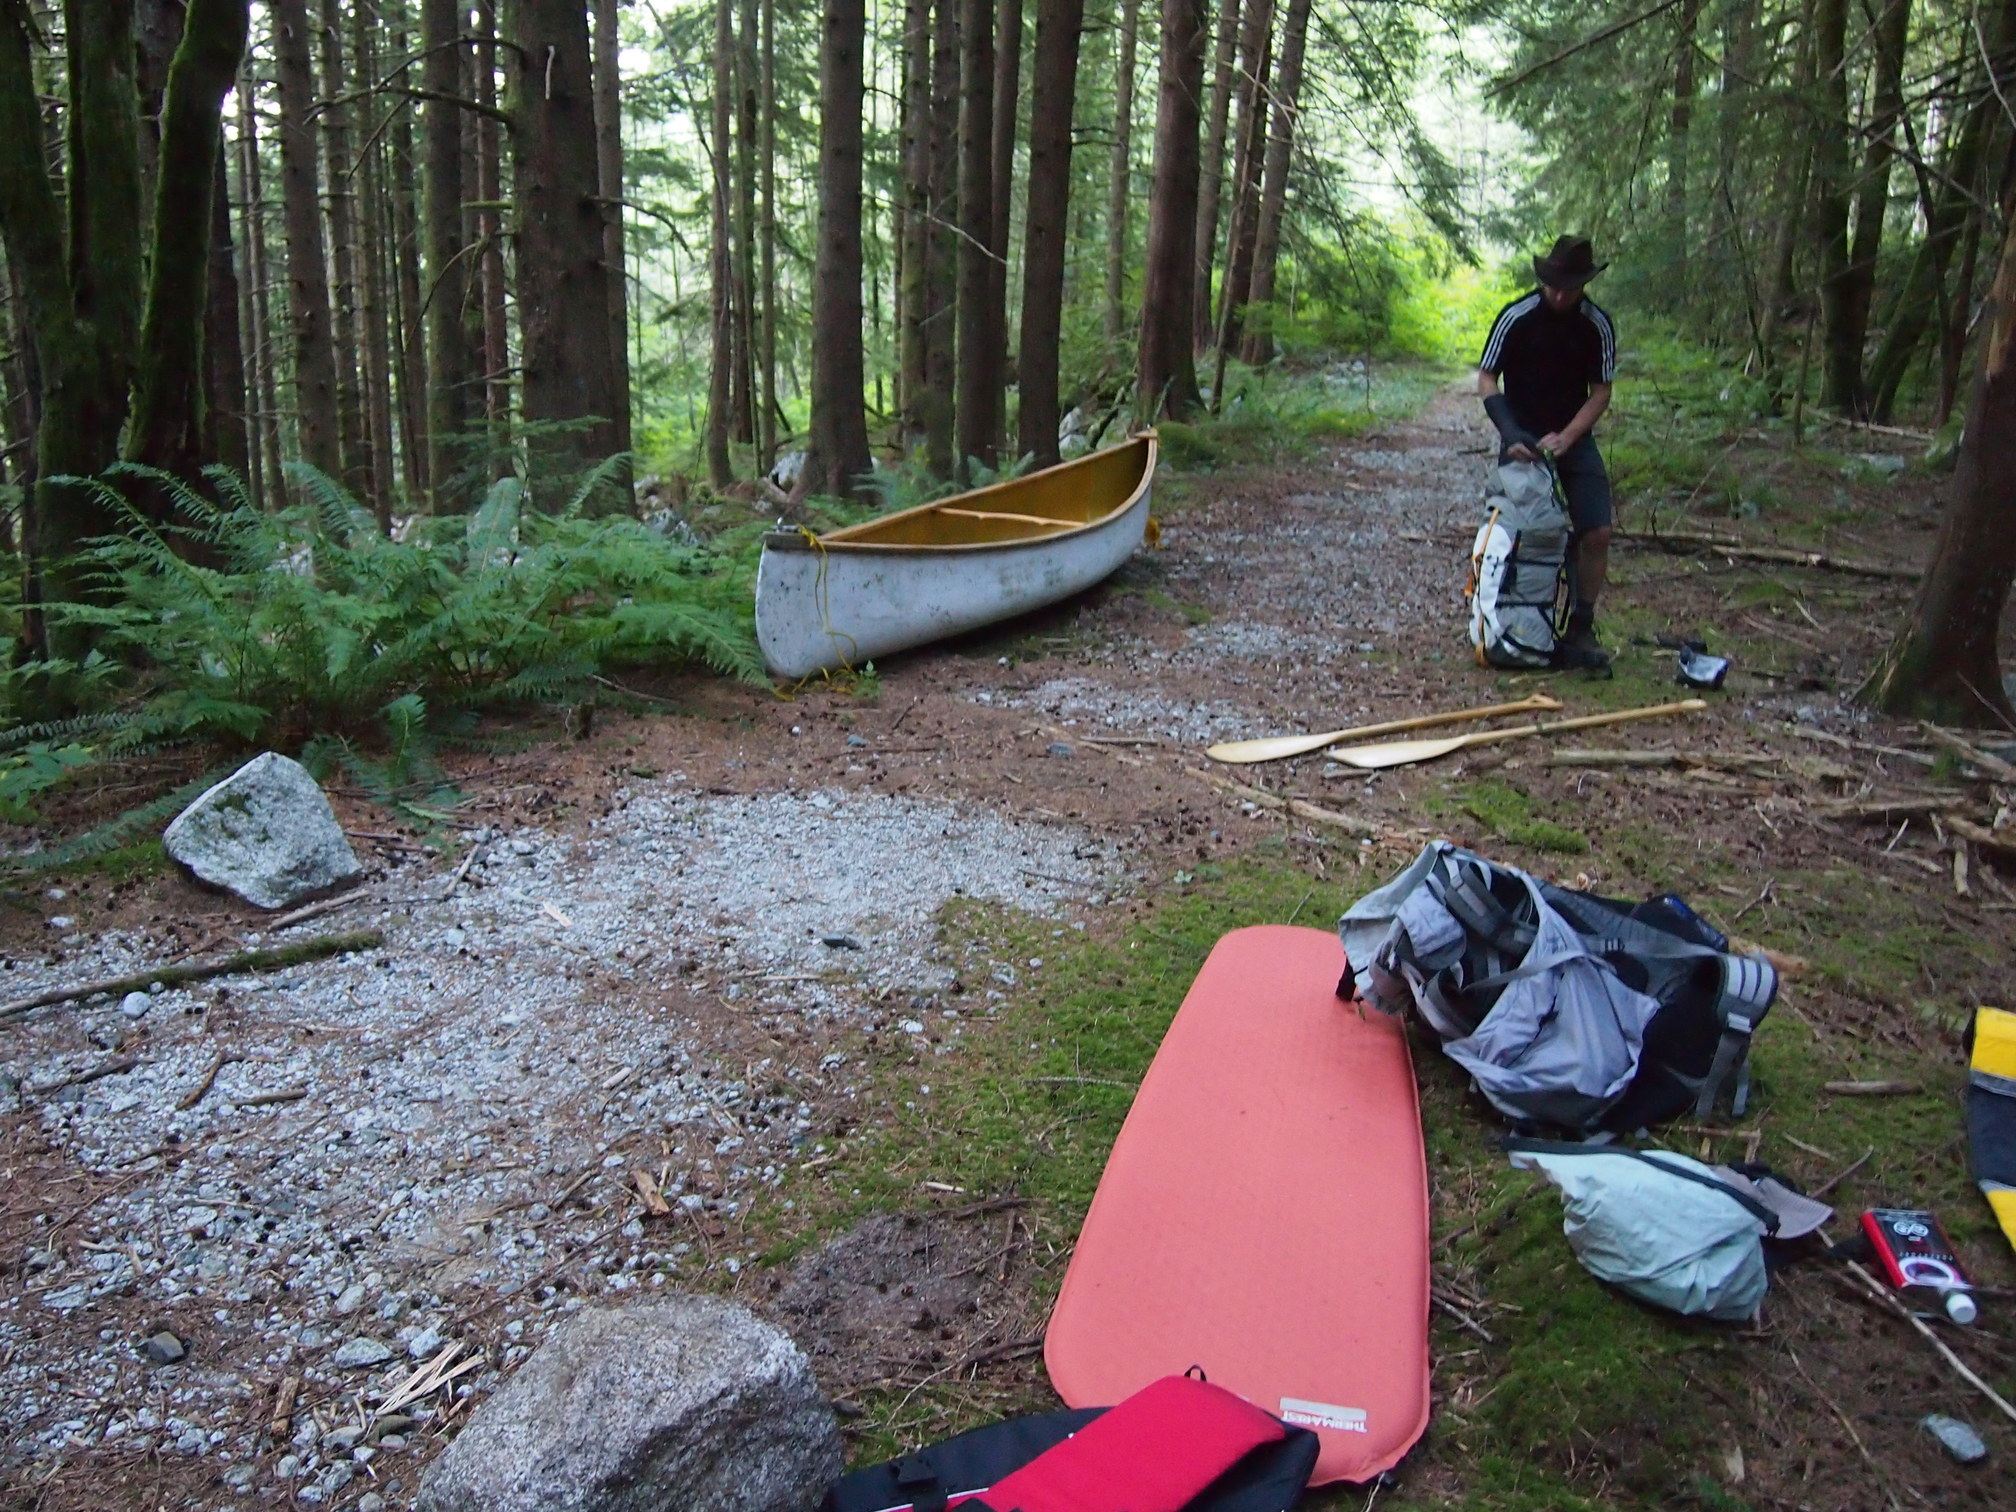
1264, 1214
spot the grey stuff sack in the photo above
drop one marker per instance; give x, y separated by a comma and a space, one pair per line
1663, 1228
1549, 997
1516, 564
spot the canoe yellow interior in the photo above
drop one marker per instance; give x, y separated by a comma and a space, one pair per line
1043, 505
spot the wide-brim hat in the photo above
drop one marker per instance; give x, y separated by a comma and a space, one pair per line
1569, 264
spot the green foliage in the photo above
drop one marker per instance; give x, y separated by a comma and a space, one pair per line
29, 772
304, 625
1510, 814
1444, 314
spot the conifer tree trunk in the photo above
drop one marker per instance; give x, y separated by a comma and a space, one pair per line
264, 343
569, 381
1007, 91
167, 429
411, 351
340, 192
766, 355
940, 265
1259, 345
307, 272
1167, 376
1679, 129
1872, 200
609, 175
911, 334
838, 444
1243, 230
1946, 665
745, 227
226, 437
495, 280
448, 364
721, 361
1841, 356
1120, 178
977, 427
1053, 84
1211, 180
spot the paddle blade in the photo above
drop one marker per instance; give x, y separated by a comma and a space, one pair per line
1280, 747
1392, 753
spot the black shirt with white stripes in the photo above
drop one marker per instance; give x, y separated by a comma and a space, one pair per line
1548, 361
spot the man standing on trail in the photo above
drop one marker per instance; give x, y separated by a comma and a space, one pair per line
1556, 354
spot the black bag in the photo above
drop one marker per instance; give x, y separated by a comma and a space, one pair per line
1270, 1479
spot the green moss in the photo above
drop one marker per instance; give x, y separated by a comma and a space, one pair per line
1509, 814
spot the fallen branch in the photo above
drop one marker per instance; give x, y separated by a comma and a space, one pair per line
1888, 808
1874, 1088
1681, 541
1462, 1319
1006, 1351
115, 1067
1958, 1364
1994, 842
201, 1090
1841, 1175
1299, 807
1739, 761
462, 871
314, 911
1993, 766
276, 959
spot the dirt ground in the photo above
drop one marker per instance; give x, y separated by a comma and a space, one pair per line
616, 1050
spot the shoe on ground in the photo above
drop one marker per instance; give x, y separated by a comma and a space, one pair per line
1578, 650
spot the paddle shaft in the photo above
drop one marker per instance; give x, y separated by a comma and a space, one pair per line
1403, 752
1280, 747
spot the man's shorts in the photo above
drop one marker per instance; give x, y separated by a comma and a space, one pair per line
1587, 484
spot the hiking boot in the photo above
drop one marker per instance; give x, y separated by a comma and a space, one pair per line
1578, 650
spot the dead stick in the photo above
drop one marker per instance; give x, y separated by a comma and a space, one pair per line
1002, 1352
462, 871
267, 1099
1840, 1176
1873, 1088
283, 1408
277, 959
313, 911
197, 1093
1685, 540
1463, 1319
1938, 1343
84, 1078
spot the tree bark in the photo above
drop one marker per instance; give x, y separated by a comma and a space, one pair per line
495, 348
1872, 200
940, 311
1259, 345
1841, 356
167, 428
448, 359
410, 356
376, 305
609, 176
1007, 92
340, 193
1255, 50
307, 272
1946, 665
977, 426
766, 355
569, 384
912, 336
1120, 178
1167, 377
839, 459
1053, 84
263, 344
744, 235
721, 359
1212, 172
226, 398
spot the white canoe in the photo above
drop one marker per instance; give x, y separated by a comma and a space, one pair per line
846, 597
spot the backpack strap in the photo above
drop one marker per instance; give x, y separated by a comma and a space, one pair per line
1749, 983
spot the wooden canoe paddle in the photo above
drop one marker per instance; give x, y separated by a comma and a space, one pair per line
1392, 753
1280, 747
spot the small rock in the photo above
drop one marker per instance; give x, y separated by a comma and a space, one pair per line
164, 1348
61, 921
856, 741
388, 1425
1958, 1439
289, 1466
266, 833
351, 1299
193, 1442
839, 942
424, 1343
240, 1477
1057, 748
360, 1352
370, 1501
135, 1004
685, 1401
337, 1440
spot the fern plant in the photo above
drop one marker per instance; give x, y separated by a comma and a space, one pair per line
308, 629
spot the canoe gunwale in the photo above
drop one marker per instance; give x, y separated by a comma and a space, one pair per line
837, 541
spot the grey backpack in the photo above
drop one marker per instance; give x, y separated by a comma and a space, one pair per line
1516, 568
1569, 1011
